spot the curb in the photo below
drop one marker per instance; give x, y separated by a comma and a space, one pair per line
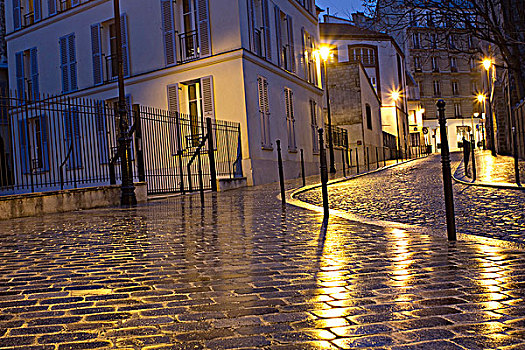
500, 185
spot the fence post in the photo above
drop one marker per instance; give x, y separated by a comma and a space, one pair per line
473, 148
281, 175
201, 185
357, 160
138, 143
324, 176
350, 156
211, 155
377, 158
302, 168
384, 156
343, 159
179, 152
447, 177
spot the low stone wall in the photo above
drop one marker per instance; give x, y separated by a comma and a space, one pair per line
34, 204
227, 184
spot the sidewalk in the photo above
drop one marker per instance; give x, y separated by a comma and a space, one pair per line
495, 171
244, 273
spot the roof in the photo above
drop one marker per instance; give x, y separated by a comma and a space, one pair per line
344, 29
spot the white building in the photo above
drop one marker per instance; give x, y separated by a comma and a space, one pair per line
248, 61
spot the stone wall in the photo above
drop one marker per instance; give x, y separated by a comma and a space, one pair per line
345, 93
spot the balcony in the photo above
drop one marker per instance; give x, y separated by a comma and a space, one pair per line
29, 19
111, 68
189, 46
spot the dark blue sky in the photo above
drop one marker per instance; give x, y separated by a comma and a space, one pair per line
340, 8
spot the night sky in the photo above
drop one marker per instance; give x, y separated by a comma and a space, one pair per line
340, 8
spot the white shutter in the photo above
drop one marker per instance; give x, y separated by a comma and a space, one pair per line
173, 98
34, 73
72, 62
96, 52
20, 81
266, 24
125, 46
64, 63
173, 108
37, 8
264, 111
17, 14
52, 7
251, 24
208, 103
291, 43
277, 12
203, 28
168, 29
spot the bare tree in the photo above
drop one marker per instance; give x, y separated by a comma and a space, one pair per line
496, 26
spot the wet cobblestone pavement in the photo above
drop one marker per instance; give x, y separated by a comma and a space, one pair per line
412, 193
497, 169
243, 274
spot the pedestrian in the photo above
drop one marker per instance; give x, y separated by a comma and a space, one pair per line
466, 155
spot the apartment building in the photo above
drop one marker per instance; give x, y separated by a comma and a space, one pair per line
247, 61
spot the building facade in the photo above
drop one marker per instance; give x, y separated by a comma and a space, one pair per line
247, 61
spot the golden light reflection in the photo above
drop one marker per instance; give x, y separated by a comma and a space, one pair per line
401, 257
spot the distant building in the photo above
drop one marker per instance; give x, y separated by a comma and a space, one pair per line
250, 62
382, 64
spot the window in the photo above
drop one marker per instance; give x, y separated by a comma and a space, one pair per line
472, 64
416, 42
437, 88
259, 28
33, 143
417, 64
457, 110
264, 112
104, 50
26, 65
420, 87
453, 64
26, 12
435, 64
72, 139
368, 112
455, 88
451, 42
310, 67
313, 126
365, 55
433, 40
290, 119
285, 41
68, 63
474, 85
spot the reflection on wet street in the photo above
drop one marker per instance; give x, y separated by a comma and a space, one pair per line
242, 274
412, 193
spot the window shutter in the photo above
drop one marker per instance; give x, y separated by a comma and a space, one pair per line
267, 34
64, 67
208, 104
17, 15
22, 138
52, 7
204, 28
20, 79
125, 46
173, 108
72, 62
44, 141
96, 54
37, 8
34, 73
168, 29
291, 42
264, 110
101, 130
303, 56
278, 34
251, 24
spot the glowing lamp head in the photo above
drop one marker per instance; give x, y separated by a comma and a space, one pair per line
395, 95
481, 98
324, 52
487, 63
476, 114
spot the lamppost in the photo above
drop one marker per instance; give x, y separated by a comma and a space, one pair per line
481, 100
325, 54
487, 64
127, 197
395, 97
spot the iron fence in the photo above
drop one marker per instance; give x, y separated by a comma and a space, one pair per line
57, 143
339, 137
519, 125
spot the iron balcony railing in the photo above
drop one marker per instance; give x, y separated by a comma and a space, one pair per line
189, 46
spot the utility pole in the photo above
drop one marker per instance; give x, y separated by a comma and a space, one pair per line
128, 196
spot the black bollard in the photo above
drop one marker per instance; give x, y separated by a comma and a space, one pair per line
302, 168
350, 157
357, 160
324, 175
281, 174
515, 154
343, 158
447, 178
384, 157
377, 159
473, 148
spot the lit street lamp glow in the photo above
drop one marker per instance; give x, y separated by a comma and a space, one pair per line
325, 52
487, 63
395, 95
480, 98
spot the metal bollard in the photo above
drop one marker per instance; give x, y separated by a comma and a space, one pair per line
357, 160
447, 177
281, 174
377, 158
343, 158
350, 156
515, 154
302, 168
473, 148
384, 157
324, 175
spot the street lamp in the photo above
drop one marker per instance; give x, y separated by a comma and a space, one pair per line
128, 196
487, 64
395, 96
325, 52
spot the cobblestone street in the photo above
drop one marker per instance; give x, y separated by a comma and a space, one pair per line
412, 193
243, 274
